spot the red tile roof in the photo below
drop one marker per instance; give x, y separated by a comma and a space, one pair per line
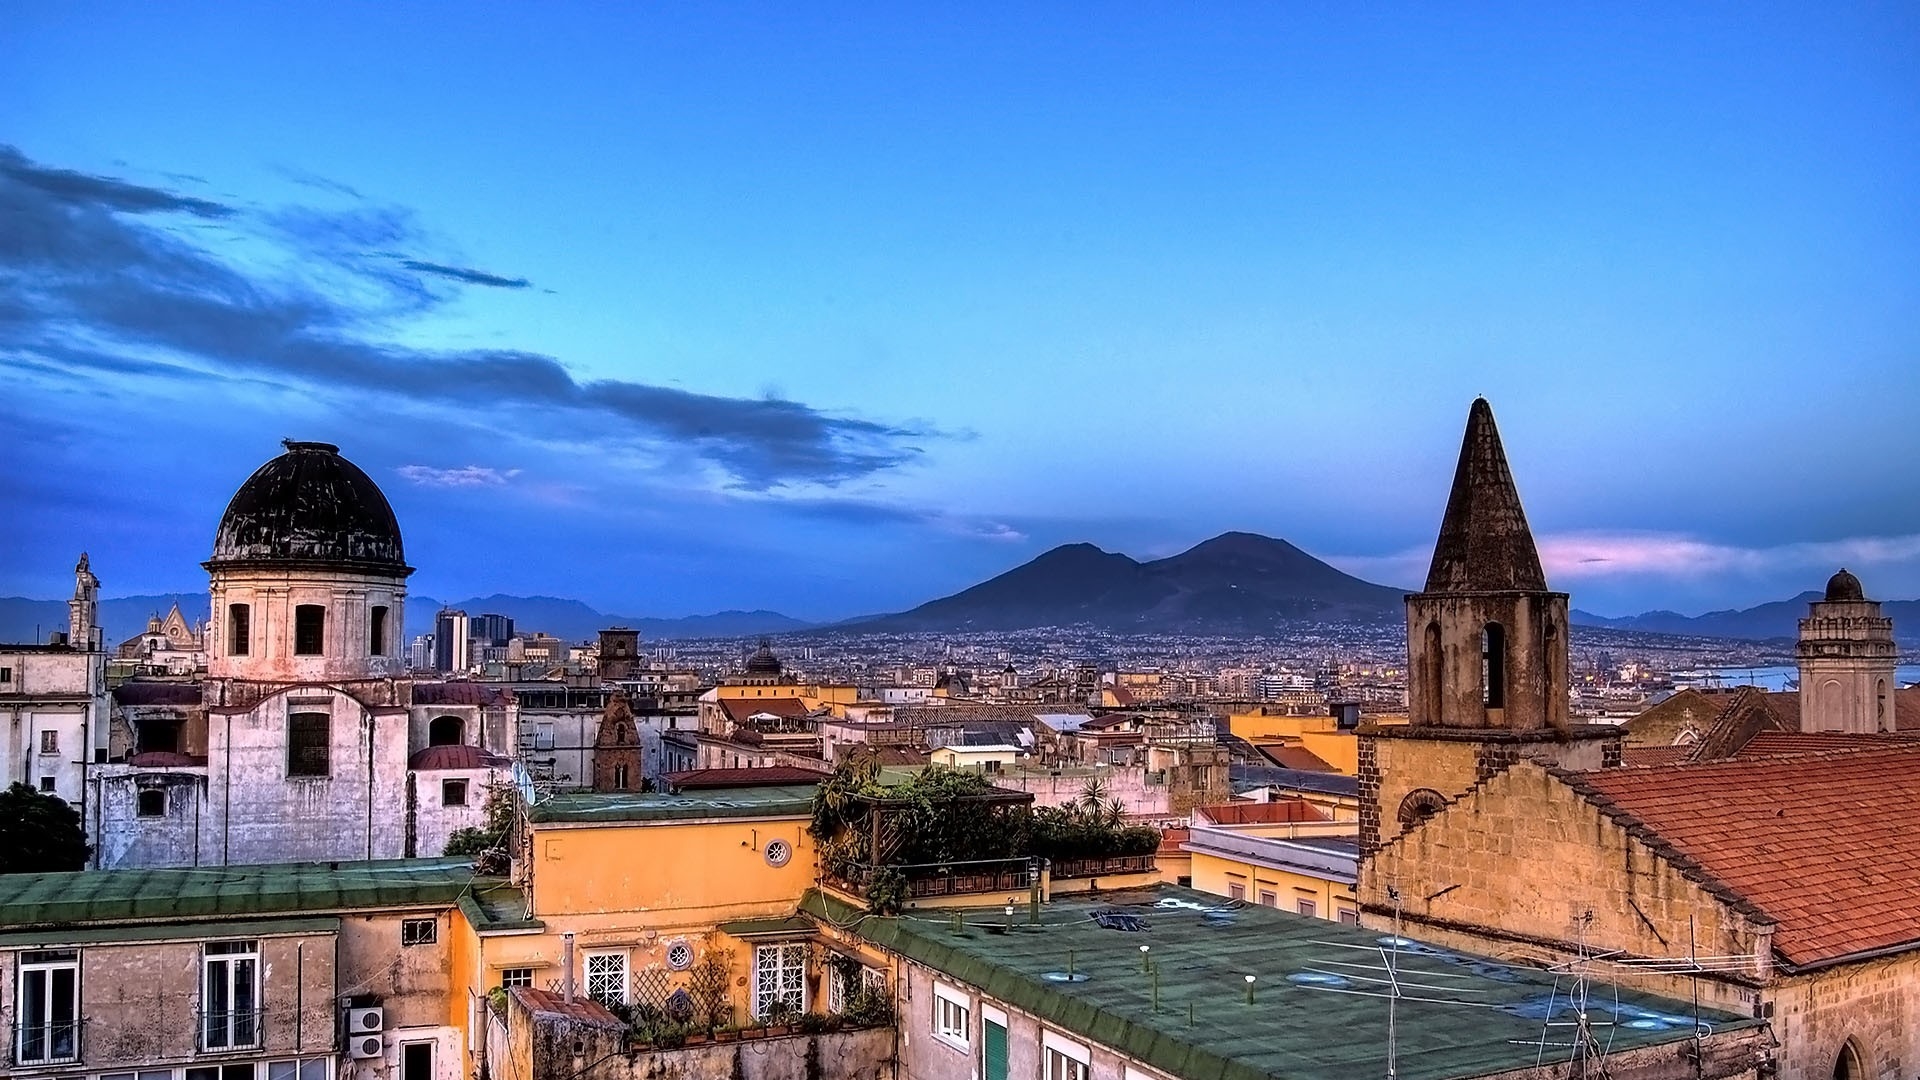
458, 693
1171, 839
582, 1008
739, 710
442, 758
1779, 743
764, 776
1278, 812
1824, 845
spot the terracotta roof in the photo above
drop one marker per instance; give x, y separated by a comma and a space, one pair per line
765, 776
1655, 755
458, 693
739, 710
442, 758
1294, 757
1278, 812
1824, 844
1781, 743
1172, 838
582, 1008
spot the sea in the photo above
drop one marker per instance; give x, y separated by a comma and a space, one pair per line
1779, 677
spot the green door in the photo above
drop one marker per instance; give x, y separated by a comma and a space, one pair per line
993, 1050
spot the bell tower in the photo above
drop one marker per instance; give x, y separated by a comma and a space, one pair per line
1847, 656
1486, 658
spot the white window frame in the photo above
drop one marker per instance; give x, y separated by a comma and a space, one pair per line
516, 976
1063, 1059
953, 1017
68, 960
307, 1068
613, 968
232, 1032
788, 969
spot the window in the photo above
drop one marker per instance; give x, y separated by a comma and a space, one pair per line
294, 1069
453, 793
46, 783
309, 630
607, 978
1268, 898
1493, 666
1237, 890
1350, 916
47, 1010
417, 931
239, 629
680, 956
543, 735
377, 630
516, 977
6, 674
220, 1072
230, 996
416, 1061
993, 1044
446, 731
309, 744
49, 742
1065, 1060
951, 1012
779, 979
1307, 908
153, 802
620, 777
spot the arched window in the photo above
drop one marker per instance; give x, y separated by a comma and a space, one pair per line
1493, 666
1847, 1064
1431, 659
1880, 707
1419, 806
446, 731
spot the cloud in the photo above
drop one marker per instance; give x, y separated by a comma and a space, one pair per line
466, 476
466, 276
109, 277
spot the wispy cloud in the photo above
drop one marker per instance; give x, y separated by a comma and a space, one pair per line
466, 476
103, 277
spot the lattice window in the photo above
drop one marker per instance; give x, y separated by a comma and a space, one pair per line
779, 979
607, 977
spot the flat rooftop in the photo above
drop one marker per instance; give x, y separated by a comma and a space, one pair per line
588, 808
1317, 1011
231, 892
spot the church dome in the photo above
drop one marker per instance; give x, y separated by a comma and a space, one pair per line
763, 662
310, 507
1844, 586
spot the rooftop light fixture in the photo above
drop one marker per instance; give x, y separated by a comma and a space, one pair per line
1249, 989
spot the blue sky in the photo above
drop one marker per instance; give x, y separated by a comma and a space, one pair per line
833, 311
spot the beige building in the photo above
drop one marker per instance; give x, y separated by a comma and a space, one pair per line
53, 698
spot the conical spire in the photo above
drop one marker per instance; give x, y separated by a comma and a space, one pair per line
1484, 545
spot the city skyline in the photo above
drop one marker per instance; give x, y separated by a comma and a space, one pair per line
783, 319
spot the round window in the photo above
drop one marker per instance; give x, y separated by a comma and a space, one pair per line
679, 956
778, 852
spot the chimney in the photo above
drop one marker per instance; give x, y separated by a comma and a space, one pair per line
566, 967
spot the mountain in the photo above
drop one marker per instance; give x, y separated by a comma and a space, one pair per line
1762, 622
1234, 583
25, 620
571, 620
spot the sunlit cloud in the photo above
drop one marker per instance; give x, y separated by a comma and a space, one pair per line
466, 476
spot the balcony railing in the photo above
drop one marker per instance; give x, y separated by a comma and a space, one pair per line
234, 1029
947, 879
47, 1044
1103, 867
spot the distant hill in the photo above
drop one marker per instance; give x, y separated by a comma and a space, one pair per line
27, 620
1234, 583
1763, 622
24, 620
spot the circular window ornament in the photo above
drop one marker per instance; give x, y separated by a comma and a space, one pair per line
679, 956
778, 853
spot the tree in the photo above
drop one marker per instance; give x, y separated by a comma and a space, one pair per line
39, 832
500, 808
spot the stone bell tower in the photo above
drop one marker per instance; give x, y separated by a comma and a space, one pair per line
1486, 658
1847, 656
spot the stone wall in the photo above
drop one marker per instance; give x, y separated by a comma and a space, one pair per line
1875, 1004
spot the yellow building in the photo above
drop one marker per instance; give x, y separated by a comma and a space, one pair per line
1319, 735
1309, 872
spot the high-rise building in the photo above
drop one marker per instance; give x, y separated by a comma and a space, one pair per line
490, 629
450, 641
420, 653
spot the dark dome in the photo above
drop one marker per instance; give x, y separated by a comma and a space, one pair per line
763, 662
311, 507
1844, 586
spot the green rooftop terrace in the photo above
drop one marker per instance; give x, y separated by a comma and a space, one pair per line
232, 892
586, 808
1316, 1012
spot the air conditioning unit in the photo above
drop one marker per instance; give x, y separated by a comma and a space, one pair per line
360, 1047
366, 1021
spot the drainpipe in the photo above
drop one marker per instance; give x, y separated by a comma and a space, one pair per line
566, 967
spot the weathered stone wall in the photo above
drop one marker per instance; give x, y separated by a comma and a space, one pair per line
842, 1055
1444, 659
1875, 1004
122, 838
1396, 762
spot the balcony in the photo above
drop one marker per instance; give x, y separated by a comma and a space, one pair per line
47, 1044
234, 1029
1103, 866
927, 880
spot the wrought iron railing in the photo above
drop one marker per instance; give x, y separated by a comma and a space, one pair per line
232, 1029
958, 878
1103, 866
47, 1044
